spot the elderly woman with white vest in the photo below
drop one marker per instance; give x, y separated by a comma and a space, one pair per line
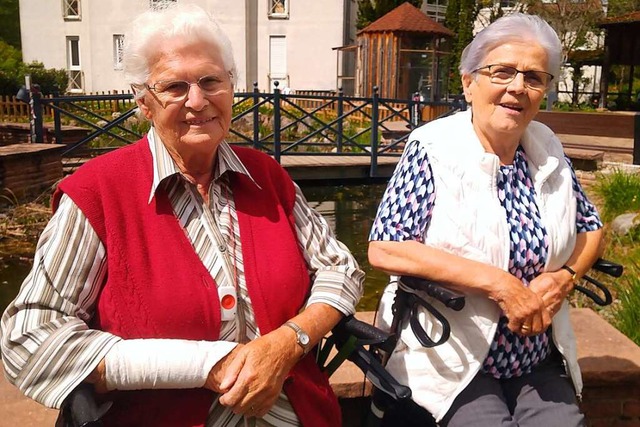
485, 202
185, 278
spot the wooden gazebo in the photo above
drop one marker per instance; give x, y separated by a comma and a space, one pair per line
622, 47
402, 53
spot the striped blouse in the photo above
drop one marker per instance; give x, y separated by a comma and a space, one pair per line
47, 346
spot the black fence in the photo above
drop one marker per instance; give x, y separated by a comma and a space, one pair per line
276, 123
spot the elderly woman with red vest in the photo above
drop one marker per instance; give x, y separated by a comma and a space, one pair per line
184, 278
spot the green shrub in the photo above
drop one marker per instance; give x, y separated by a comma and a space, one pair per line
13, 70
50, 80
627, 312
620, 193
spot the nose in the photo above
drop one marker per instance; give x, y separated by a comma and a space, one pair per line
517, 84
195, 98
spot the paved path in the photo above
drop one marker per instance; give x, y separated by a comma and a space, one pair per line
603, 141
19, 411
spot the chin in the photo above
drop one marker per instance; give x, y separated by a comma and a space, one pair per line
202, 140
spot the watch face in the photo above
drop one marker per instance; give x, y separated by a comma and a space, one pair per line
303, 338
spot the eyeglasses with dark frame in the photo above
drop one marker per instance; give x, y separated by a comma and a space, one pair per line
170, 91
504, 74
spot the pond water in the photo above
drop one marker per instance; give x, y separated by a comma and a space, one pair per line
349, 209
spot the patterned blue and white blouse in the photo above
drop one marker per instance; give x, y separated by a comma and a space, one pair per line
405, 212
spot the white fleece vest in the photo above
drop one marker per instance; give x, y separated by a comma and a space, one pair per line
468, 220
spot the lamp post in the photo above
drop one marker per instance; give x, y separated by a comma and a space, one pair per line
28, 94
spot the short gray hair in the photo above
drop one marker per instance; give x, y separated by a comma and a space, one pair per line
170, 20
516, 27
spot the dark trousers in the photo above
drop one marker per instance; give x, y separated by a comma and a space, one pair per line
545, 397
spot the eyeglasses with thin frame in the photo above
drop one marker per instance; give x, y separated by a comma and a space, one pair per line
170, 91
505, 74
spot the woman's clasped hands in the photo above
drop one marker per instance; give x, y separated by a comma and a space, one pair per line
531, 309
250, 378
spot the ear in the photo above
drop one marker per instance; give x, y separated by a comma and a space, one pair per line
144, 107
467, 83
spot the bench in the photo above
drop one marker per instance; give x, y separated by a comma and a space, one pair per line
586, 160
619, 124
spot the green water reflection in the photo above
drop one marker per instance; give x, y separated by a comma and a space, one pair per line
349, 210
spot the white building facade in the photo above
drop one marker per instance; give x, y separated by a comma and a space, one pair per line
289, 41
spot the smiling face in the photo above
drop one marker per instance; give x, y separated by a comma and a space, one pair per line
194, 126
501, 113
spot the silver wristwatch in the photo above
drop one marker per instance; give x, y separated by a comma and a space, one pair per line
302, 338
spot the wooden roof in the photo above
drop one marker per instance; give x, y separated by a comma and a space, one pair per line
409, 19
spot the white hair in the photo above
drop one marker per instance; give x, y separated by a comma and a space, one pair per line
516, 27
169, 20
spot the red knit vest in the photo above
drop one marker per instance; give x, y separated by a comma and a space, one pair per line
157, 287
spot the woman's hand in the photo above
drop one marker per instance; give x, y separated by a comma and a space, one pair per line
217, 373
525, 309
254, 373
553, 288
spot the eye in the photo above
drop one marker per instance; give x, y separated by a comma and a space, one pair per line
209, 83
502, 72
174, 87
535, 77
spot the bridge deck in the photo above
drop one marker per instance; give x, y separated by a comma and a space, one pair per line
311, 167
319, 168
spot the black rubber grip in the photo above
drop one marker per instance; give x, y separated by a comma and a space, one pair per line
450, 298
608, 267
362, 330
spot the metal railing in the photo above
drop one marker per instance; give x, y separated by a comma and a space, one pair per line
276, 123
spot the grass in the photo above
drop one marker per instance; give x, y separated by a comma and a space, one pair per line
21, 224
627, 314
618, 193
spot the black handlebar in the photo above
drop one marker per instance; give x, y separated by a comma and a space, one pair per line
606, 267
80, 408
450, 298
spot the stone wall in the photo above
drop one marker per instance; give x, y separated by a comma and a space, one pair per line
28, 170
19, 133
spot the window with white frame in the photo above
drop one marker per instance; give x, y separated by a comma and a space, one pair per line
278, 61
278, 8
159, 4
73, 64
71, 9
118, 46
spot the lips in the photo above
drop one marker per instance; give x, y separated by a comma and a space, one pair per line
512, 107
198, 122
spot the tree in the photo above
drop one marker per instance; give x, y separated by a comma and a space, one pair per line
459, 18
576, 24
370, 10
10, 22
622, 7
13, 70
